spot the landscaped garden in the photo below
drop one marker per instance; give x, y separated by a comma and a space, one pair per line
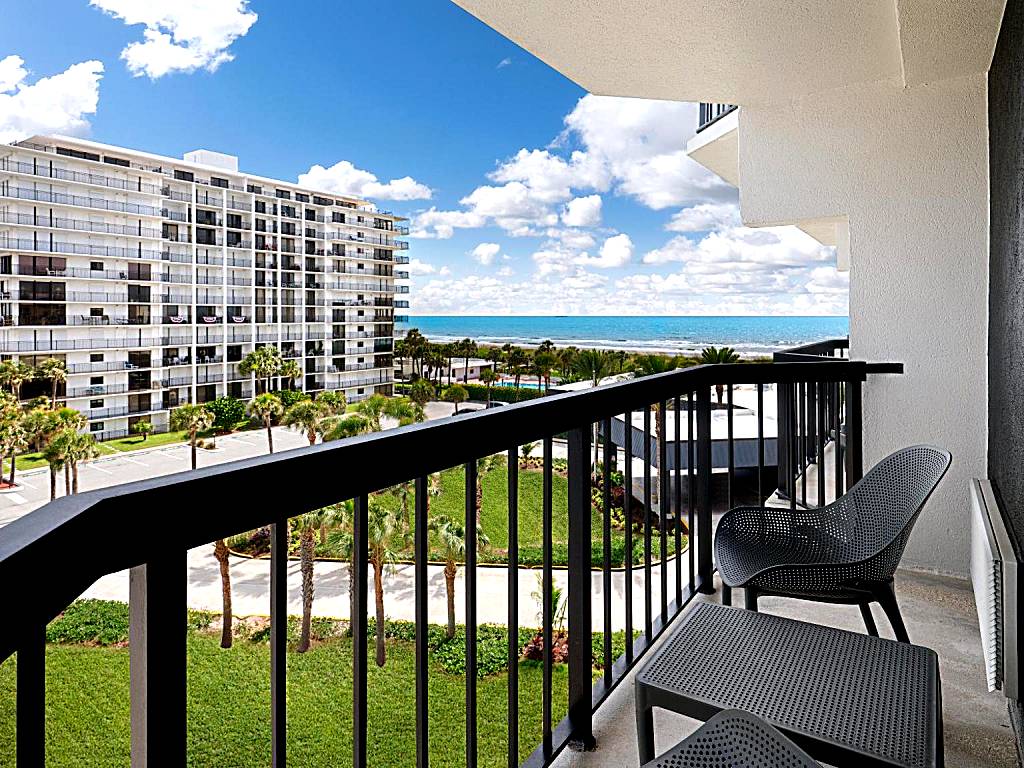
229, 694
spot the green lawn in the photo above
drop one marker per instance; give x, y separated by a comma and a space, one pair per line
229, 715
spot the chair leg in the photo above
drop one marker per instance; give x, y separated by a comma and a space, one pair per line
886, 594
750, 598
869, 620
726, 594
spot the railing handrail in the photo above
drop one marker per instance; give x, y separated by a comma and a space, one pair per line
825, 350
105, 517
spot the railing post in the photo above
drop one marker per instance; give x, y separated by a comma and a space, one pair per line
705, 564
157, 595
784, 434
854, 433
580, 682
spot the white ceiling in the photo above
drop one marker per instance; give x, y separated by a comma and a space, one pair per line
743, 51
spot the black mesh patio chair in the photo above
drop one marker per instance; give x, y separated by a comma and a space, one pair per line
734, 739
846, 552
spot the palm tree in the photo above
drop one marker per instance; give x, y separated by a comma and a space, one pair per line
14, 373
193, 419
333, 401
543, 363
593, 365
421, 392
516, 362
55, 453
83, 447
338, 428
309, 524
716, 355
289, 371
376, 407
13, 436
309, 416
466, 348
221, 554
488, 376
264, 363
451, 534
415, 345
266, 408
456, 393
57, 372
69, 421
383, 527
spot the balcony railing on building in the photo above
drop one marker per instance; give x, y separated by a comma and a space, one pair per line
709, 112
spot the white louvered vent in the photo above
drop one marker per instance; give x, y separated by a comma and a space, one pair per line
994, 577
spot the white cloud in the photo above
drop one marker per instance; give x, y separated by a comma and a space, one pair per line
549, 177
504, 63
180, 35
420, 267
582, 212
485, 253
617, 251
441, 225
345, 179
56, 104
705, 217
505, 271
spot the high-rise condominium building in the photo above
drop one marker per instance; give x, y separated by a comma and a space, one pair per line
152, 277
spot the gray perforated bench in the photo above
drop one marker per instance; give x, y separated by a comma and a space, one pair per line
844, 697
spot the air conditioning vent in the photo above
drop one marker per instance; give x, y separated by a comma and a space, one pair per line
994, 577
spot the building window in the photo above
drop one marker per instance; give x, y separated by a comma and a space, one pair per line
96, 426
302, 198
76, 153
95, 381
184, 176
283, 193
218, 182
116, 161
95, 403
95, 357
96, 266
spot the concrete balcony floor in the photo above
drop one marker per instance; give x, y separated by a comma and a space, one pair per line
939, 613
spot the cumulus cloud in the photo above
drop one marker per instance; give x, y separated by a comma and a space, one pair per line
180, 35
420, 267
485, 253
705, 217
441, 225
582, 212
617, 251
345, 179
55, 104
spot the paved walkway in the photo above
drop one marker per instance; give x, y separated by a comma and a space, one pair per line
250, 578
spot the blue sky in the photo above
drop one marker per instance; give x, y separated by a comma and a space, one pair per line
526, 195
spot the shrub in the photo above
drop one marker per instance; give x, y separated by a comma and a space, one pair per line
227, 412
102, 622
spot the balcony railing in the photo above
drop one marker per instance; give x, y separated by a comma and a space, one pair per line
61, 198
710, 112
685, 433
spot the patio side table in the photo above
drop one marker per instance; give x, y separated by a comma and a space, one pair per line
844, 697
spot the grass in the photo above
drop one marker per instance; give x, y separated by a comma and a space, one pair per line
229, 709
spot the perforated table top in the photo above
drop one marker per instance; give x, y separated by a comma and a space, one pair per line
848, 698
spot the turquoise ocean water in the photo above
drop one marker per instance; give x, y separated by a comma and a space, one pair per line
748, 335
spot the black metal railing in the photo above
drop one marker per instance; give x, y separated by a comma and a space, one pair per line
710, 112
93, 534
813, 418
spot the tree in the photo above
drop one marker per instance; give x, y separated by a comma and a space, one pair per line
227, 412
488, 376
338, 428
449, 351
289, 371
144, 428
717, 356
422, 392
456, 393
308, 416
82, 448
451, 535
466, 348
543, 363
309, 523
264, 363
222, 555
57, 372
68, 422
376, 407
55, 453
333, 401
383, 528
193, 419
13, 435
593, 365
265, 408
516, 363
415, 346
13, 374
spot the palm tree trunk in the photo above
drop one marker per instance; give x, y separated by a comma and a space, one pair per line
53, 482
193, 443
465, 372
719, 390
449, 583
378, 588
311, 436
67, 478
270, 437
14, 460
220, 552
306, 552
74, 477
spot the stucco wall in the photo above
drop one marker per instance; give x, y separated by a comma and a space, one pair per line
909, 168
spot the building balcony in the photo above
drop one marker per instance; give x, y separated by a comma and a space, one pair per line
44, 245
77, 177
78, 201
78, 225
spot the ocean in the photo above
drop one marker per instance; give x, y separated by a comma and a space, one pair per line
749, 336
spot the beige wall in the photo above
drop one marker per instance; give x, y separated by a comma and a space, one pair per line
909, 168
